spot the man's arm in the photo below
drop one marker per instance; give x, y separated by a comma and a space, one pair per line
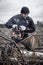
10, 23
32, 26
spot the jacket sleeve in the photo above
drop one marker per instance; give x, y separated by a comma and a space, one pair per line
10, 23
31, 26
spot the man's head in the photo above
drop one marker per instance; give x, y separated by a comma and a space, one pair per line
24, 12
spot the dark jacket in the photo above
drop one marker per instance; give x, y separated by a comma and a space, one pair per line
19, 20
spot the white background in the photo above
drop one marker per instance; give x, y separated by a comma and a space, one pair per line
9, 8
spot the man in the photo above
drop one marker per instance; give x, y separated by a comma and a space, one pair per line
22, 19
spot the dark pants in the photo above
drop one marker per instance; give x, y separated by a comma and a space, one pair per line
27, 45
